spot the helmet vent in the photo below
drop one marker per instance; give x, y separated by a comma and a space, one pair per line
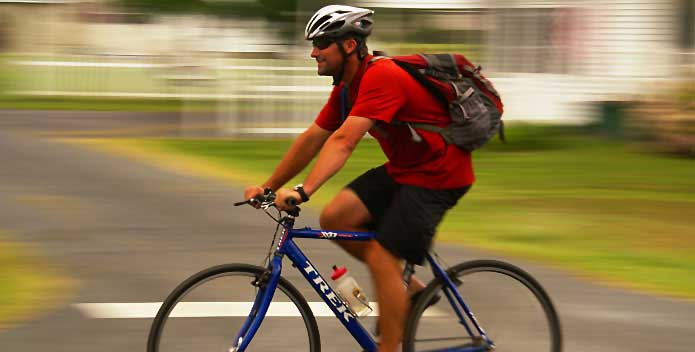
334, 25
319, 22
336, 20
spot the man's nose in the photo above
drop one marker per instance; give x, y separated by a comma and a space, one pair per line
314, 52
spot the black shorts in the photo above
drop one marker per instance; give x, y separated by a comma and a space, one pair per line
405, 216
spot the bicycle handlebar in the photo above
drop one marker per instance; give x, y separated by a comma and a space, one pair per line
268, 200
291, 201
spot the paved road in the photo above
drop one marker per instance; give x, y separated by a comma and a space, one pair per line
129, 232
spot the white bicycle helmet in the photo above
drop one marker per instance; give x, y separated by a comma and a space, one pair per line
337, 20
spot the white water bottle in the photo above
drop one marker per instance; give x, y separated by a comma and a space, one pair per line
350, 292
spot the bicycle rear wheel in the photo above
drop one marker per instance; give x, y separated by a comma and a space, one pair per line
511, 307
207, 311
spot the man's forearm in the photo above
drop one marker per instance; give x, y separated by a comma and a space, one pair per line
302, 151
333, 156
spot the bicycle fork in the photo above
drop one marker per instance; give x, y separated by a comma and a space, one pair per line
266, 283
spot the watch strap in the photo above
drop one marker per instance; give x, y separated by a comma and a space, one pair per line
300, 189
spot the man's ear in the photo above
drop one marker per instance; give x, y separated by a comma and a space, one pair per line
350, 45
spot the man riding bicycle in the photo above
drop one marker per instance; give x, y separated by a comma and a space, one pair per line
404, 200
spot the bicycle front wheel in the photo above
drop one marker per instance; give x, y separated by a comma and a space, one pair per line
208, 310
509, 305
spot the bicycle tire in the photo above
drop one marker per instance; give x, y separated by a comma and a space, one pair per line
212, 273
463, 272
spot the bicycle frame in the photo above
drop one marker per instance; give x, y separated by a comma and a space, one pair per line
287, 246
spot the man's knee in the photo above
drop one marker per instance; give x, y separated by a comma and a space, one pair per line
330, 219
346, 212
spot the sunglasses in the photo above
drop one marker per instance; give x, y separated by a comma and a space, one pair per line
322, 43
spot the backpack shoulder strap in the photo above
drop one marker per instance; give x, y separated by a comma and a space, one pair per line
425, 82
418, 76
442, 66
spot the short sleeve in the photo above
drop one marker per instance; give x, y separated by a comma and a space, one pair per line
380, 95
329, 118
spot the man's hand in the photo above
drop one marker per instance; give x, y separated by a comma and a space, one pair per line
253, 192
282, 195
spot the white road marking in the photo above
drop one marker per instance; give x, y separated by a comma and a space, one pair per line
208, 309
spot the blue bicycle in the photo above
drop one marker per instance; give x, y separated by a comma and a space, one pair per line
241, 307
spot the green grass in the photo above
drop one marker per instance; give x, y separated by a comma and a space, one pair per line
11, 281
27, 286
595, 207
16, 102
102, 104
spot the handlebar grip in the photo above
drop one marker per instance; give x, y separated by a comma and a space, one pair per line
291, 201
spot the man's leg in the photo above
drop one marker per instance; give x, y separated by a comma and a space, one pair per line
346, 212
386, 272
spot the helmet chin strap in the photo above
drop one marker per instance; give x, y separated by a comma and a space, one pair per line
339, 76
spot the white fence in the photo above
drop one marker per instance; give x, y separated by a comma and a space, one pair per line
550, 60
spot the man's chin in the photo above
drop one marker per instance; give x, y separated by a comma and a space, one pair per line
323, 72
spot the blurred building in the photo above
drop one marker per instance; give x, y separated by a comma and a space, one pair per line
28, 26
551, 60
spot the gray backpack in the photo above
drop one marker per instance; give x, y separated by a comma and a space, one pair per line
473, 103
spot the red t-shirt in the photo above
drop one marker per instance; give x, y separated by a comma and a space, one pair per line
383, 91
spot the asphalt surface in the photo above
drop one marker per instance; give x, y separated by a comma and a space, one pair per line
129, 232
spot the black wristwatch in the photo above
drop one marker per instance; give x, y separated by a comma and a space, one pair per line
300, 189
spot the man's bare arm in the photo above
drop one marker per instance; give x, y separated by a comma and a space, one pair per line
300, 154
336, 151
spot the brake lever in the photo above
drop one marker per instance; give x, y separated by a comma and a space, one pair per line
266, 205
264, 202
252, 201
